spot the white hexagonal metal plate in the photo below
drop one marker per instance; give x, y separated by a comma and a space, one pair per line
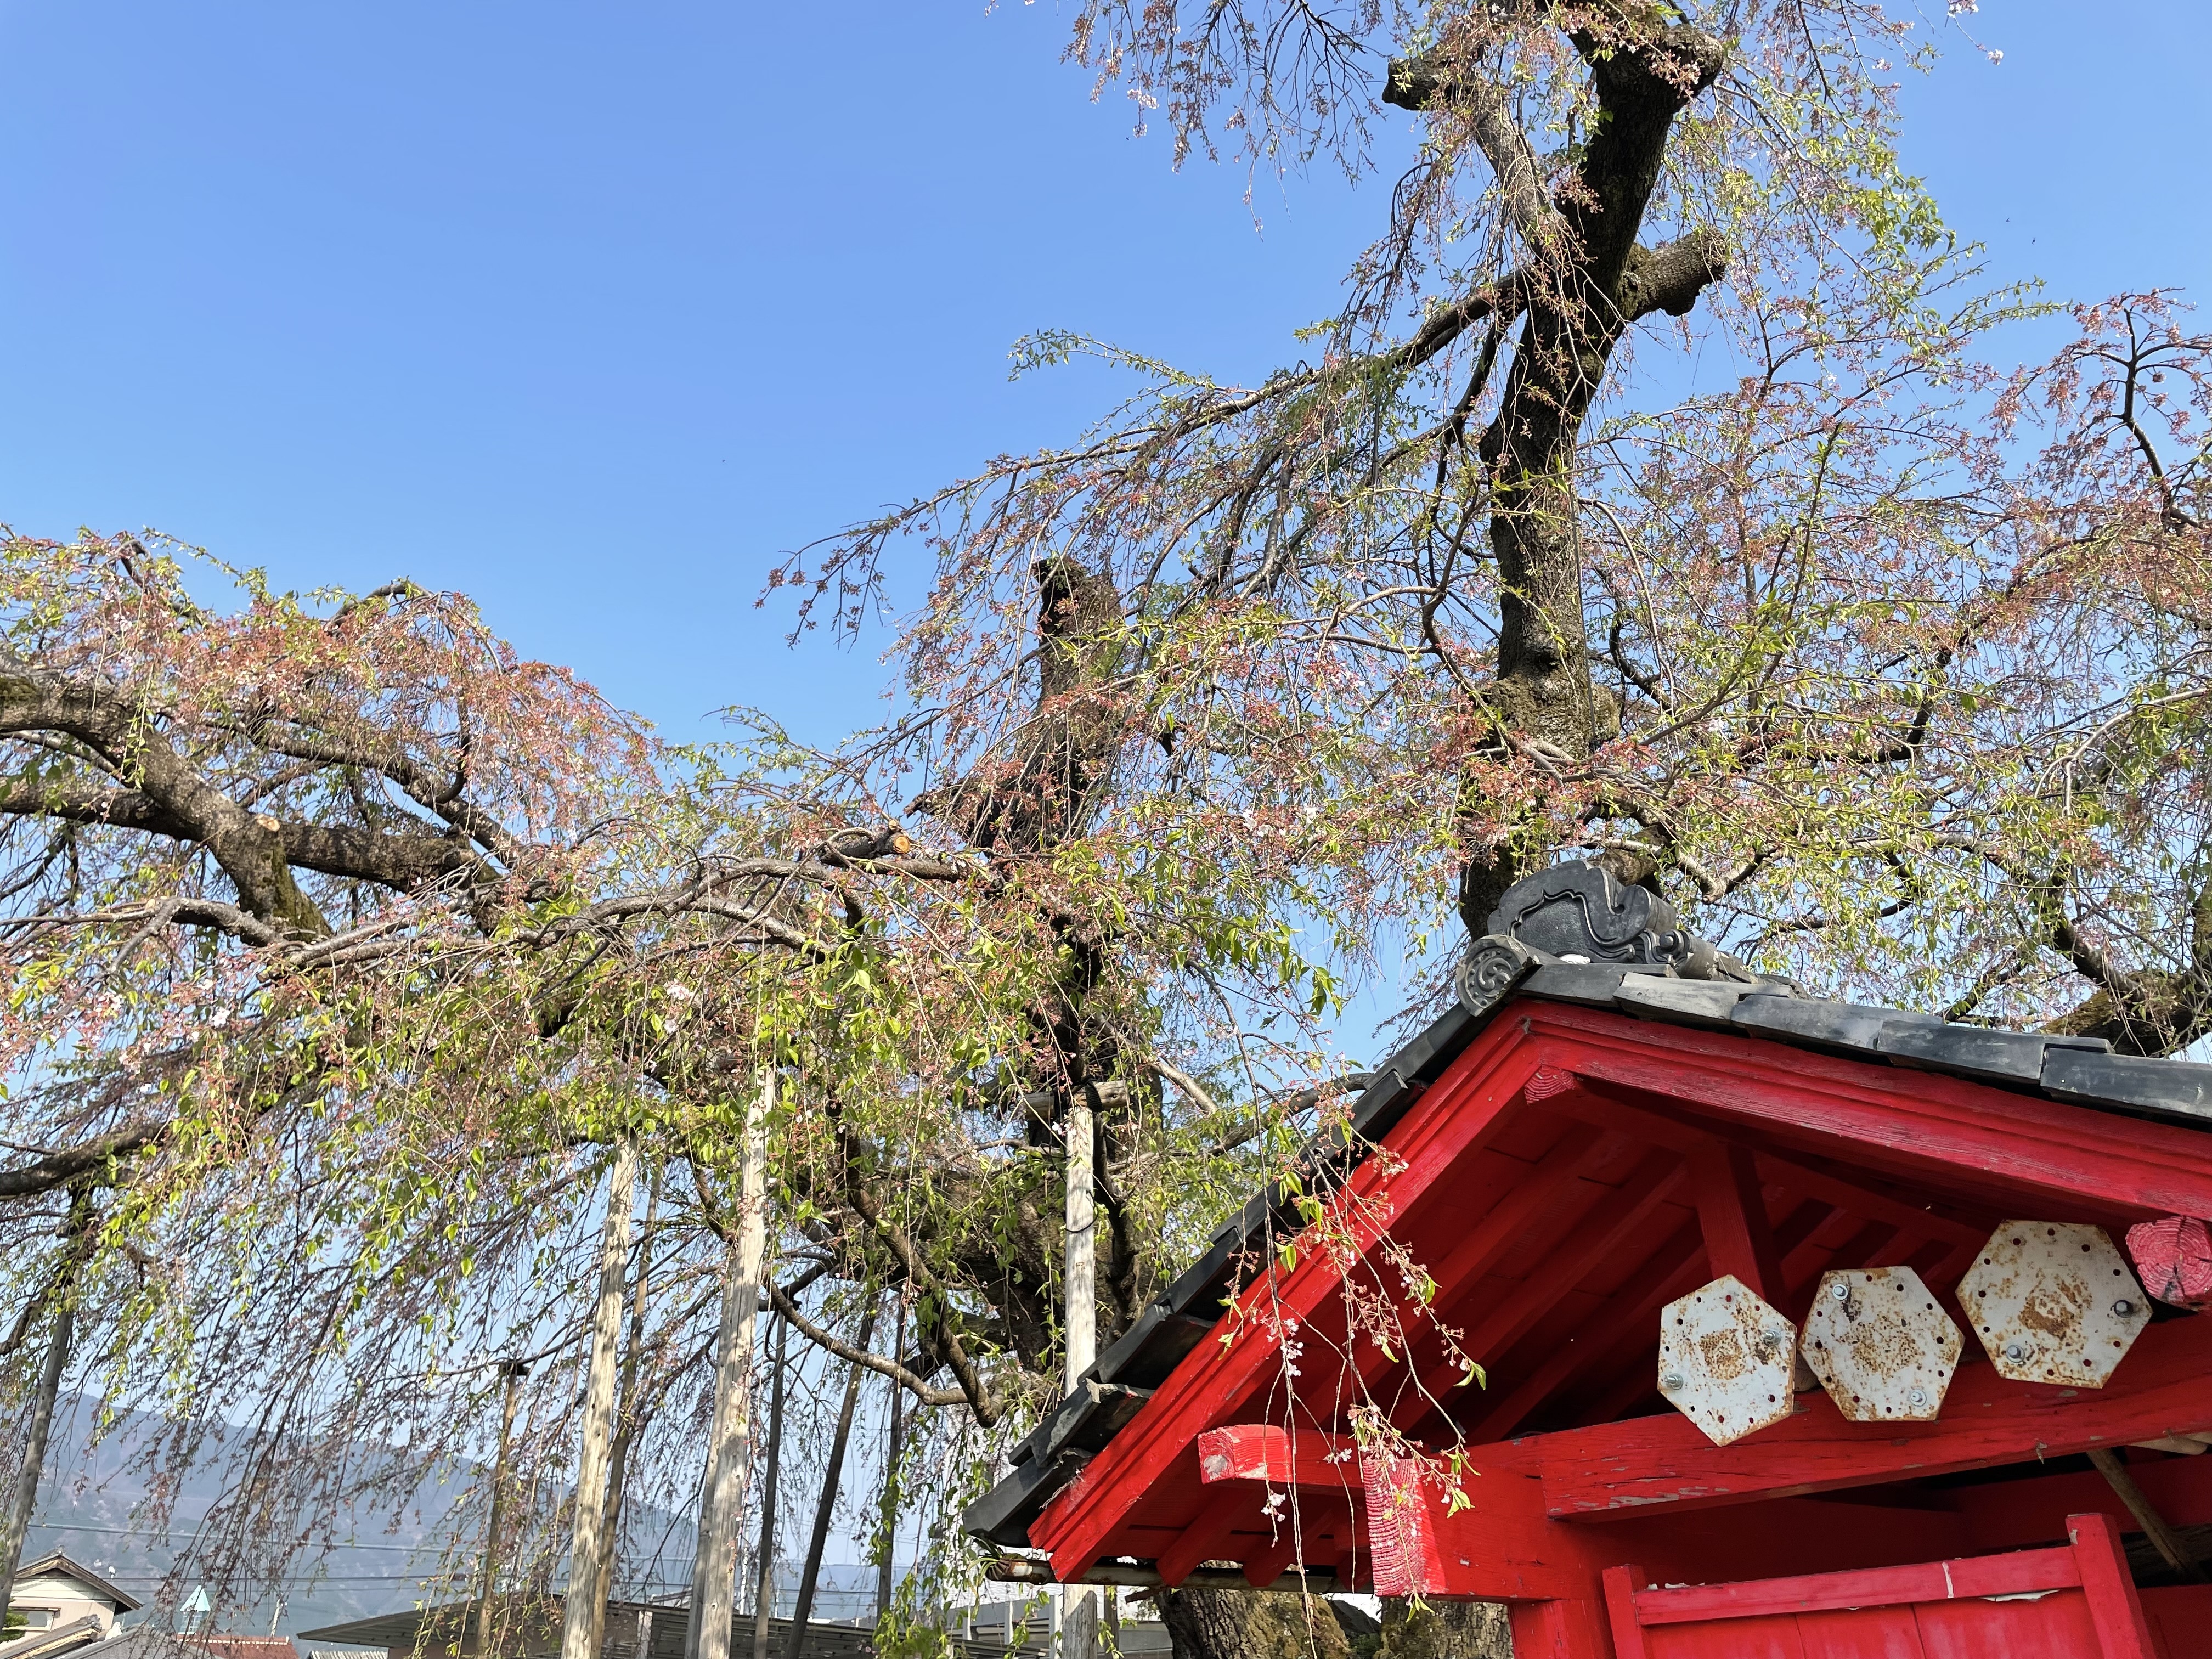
1880, 1345
1726, 1359
2053, 1302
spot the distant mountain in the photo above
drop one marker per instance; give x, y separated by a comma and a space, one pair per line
91, 1503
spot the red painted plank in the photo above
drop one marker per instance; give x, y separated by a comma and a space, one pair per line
1566, 1628
1621, 1584
1650, 1185
2020, 1574
2121, 1627
2010, 1514
1206, 1535
2164, 1386
1675, 1269
2180, 1620
1862, 1199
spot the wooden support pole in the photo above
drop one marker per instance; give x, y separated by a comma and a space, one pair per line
583, 1617
730, 1434
1078, 1605
1732, 1209
2163, 1538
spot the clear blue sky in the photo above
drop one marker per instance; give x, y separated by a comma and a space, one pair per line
589, 311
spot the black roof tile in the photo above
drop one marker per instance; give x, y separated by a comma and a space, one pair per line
2174, 1089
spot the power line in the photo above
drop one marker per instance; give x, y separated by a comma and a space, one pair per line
270, 1538
170, 1532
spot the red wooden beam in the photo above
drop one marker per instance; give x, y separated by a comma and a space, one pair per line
1732, 1209
1650, 1184
1270, 1453
2023, 1573
1203, 1538
2163, 1387
2106, 1580
1923, 1125
1861, 1199
1507, 1223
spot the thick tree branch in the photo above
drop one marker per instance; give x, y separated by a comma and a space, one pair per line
125, 735
1670, 277
988, 1410
1427, 82
891, 1368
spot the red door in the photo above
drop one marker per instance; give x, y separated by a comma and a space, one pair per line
2076, 1601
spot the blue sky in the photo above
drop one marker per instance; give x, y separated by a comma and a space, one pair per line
590, 311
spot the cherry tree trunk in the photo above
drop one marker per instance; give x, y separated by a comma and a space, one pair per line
24, 1499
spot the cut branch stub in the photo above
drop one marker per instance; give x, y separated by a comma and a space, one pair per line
1880, 1344
2053, 1302
1726, 1360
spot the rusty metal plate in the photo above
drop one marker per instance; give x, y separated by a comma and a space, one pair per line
1880, 1344
1726, 1360
2053, 1302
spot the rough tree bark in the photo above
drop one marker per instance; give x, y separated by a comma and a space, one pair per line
583, 1619
24, 1499
1588, 279
729, 1437
1444, 1630
1245, 1624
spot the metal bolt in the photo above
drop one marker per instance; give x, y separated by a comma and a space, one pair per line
1671, 1381
1919, 1396
2124, 1308
2015, 1351
1842, 1292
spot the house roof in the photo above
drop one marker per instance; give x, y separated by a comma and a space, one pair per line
1570, 936
68, 1636
56, 1562
530, 1626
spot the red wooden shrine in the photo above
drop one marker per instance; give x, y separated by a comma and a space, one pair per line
1581, 1147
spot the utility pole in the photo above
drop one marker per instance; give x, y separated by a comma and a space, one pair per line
1078, 1609
511, 1371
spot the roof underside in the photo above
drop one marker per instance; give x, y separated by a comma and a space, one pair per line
1561, 1235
